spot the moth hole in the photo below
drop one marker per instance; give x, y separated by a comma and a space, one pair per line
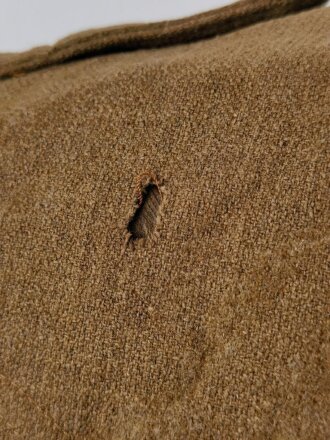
143, 223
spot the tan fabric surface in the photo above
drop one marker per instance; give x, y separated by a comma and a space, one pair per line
215, 325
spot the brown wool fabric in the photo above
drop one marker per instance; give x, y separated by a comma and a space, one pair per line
164, 230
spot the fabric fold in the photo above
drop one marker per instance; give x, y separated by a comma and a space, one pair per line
143, 36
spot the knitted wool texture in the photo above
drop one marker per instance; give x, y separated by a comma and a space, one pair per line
164, 230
